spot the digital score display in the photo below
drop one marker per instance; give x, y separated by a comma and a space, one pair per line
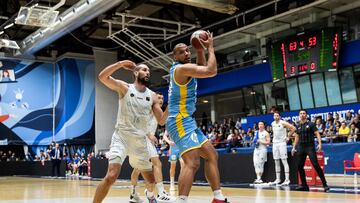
305, 53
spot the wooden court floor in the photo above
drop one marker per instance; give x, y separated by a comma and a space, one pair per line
41, 190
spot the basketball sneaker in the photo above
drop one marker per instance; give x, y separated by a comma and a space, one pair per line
285, 183
165, 197
257, 181
219, 201
135, 198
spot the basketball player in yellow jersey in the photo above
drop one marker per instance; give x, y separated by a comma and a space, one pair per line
136, 105
180, 124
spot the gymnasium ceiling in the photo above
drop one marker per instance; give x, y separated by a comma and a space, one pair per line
94, 32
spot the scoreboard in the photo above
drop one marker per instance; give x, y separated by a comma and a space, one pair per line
306, 52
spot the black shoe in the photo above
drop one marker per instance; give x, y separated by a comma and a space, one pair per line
302, 188
326, 188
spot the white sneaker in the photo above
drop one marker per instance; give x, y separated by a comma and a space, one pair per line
286, 183
258, 181
135, 198
165, 197
276, 182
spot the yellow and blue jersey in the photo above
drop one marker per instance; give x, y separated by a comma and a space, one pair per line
180, 124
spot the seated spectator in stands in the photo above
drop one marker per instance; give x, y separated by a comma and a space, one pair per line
337, 118
43, 157
219, 140
13, 157
344, 132
68, 163
356, 122
348, 118
247, 139
234, 139
4, 157
211, 135
238, 124
354, 131
28, 157
75, 164
330, 118
231, 123
83, 167
320, 127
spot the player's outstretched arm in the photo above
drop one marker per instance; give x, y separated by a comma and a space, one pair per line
112, 83
157, 111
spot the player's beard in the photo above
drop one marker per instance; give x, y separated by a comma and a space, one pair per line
143, 81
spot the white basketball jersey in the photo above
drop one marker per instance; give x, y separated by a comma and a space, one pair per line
262, 137
153, 124
279, 132
135, 109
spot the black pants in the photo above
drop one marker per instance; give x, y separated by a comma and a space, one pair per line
302, 151
56, 165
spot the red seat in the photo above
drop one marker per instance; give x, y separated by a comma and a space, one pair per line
354, 165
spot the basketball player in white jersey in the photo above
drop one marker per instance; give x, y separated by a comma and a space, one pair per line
261, 140
157, 166
279, 147
136, 104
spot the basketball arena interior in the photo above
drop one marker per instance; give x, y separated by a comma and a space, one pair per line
273, 57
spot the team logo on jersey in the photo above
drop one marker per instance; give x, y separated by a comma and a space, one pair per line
147, 98
132, 95
194, 137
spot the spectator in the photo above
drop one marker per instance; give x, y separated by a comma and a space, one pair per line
43, 157
356, 122
67, 160
234, 139
348, 118
12, 157
238, 124
344, 132
28, 157
75, 164
56, 155
354, 131
83, 165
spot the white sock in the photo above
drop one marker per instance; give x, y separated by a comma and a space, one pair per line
172, 180
182, 199
132, 189
258, 177
160, 187
218, 195
149, 195
287, 176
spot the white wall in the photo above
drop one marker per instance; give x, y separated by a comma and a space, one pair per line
106, 100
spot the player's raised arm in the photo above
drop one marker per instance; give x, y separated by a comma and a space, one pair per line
112, 83
195, 70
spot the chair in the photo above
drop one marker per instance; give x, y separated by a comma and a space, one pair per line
354, 165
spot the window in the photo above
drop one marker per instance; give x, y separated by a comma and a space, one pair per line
332, 88
318, 86
347, 85
293, 94
306, 92
276, 97
357, 82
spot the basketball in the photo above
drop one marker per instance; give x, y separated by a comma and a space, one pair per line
195, 39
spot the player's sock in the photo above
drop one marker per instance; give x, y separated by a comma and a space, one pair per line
182, 199
218, 195
160, 187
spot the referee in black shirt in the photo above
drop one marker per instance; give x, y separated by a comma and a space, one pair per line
304, 138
